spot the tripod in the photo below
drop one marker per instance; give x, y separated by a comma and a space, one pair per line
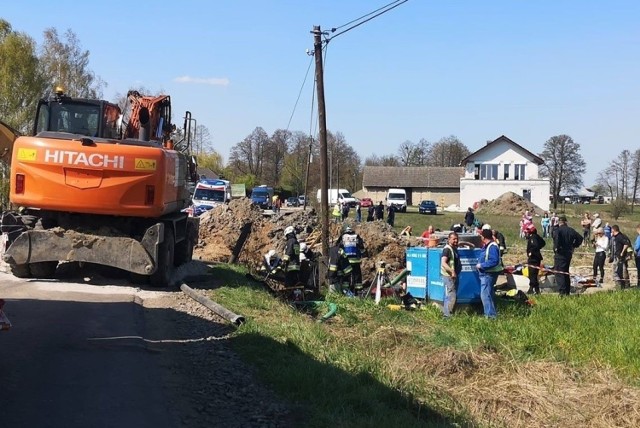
380, 280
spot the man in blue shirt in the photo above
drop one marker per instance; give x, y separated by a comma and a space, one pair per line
489, 267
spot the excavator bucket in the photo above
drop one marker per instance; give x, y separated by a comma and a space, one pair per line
8, 136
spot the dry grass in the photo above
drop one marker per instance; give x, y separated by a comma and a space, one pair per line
503, 392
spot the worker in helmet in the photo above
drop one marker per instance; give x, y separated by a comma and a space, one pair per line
353, 247
291, 257
339, 274
535, 244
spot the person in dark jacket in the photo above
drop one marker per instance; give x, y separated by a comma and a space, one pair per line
370, 212
291, 258
535, 243
469, 218
565, 240
391, 215
339, 273
621, 253
380, 211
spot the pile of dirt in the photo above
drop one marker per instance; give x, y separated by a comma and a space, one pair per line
508, 204
221, 227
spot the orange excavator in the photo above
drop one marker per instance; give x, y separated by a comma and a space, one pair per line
97, 185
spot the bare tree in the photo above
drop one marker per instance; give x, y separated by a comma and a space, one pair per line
564, 165
246, 157
297, 161
384, 160
635, 177
275, 153
66, 64
448, 151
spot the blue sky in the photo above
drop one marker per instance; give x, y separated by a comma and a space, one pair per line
427, 69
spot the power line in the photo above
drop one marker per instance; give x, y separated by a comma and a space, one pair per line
333, 30
386, 9
300, 93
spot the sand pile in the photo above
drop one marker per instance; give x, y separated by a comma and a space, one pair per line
221, 228
508, 204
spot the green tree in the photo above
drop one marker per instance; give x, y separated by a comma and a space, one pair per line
21, 82
66, 64
563, 165
212, 160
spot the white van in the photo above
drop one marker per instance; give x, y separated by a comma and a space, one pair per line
339, 195
397, 198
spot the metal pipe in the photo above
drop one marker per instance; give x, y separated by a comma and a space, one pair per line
213, 306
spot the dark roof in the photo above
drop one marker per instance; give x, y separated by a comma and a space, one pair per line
537, 159
206, 172
412, 176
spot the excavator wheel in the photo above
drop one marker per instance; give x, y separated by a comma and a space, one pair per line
45, 270
184, 249
21, 271
162, 276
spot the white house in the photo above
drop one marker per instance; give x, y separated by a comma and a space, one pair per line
503, 166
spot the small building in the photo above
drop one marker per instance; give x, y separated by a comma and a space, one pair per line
440, 184
503, 166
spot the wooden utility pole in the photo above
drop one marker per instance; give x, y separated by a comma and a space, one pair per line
322, 127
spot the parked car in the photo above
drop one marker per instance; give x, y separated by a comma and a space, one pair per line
428, 207
292, 202
366, 202
301, 200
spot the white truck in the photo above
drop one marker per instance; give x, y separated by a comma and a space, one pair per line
339, 195
397, 198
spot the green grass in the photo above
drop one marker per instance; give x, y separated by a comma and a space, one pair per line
345, 372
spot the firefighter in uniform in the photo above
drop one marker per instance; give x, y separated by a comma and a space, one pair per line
291, 258
353, 246
339, 270
565, 240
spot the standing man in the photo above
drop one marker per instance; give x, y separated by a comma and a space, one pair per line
620, 255
291, 258
358, 213
469, 218
353, 246
565, 240
489, 267
636, 249
370, 212
450, 268
555, 223
339, 273
534, 257
380, 211
391, 215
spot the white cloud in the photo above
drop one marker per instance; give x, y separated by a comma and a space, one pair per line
215, 81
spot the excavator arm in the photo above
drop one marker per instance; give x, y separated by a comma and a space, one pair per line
8, 136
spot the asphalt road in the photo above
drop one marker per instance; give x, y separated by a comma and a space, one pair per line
65, 362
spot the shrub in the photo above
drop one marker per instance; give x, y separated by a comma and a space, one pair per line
618, 207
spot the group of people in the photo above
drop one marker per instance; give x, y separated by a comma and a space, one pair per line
374, 213
489, 266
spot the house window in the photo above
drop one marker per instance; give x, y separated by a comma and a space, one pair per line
488, 172
476, 172
506, 172
519, 172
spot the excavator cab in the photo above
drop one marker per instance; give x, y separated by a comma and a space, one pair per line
91, 118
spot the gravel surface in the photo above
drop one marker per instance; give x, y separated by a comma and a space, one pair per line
211, 385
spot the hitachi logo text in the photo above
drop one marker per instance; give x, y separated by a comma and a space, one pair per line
95, 160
